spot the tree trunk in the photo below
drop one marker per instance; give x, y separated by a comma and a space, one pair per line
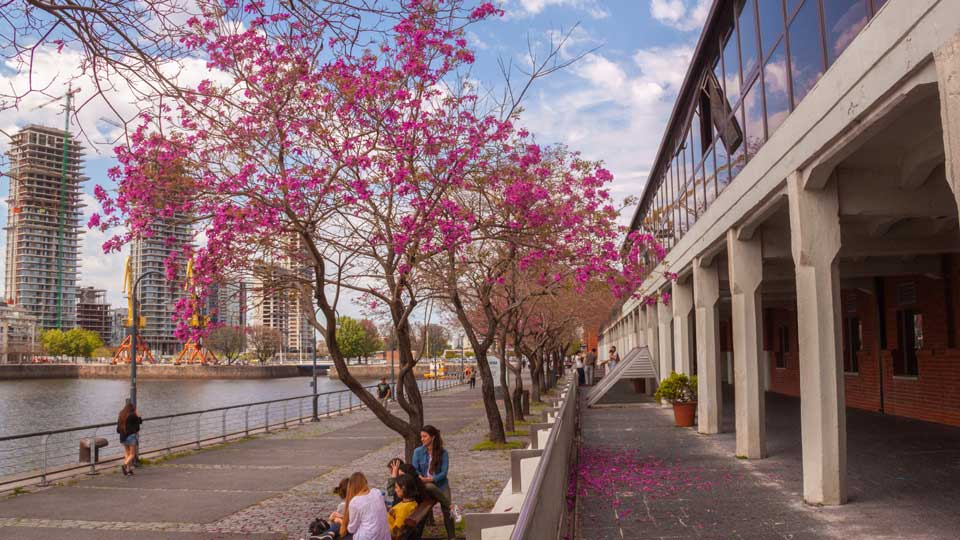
507, 398
534, 380
494, 420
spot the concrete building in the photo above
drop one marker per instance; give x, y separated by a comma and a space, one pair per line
43, 224
93, 312
226, 304
807, 189
158, 297
19, 334
118, 318
277, 305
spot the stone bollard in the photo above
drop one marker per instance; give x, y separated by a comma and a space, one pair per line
525, 400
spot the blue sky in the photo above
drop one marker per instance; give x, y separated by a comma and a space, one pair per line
612, 104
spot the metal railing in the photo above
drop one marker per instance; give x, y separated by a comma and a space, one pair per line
37, 458
545, 506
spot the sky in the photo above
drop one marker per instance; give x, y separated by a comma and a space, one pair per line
612, 104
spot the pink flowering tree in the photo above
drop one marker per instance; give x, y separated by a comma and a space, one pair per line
317, 168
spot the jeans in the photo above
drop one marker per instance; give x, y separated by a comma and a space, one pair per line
589, 369
580, 378
442, 496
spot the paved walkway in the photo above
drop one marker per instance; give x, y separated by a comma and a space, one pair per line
267, 488
641, 477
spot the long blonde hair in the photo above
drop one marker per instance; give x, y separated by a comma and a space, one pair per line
357, 485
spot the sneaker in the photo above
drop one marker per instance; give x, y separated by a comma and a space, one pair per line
124, 469
456, 513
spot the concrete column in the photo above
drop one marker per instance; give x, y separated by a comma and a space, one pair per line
653, 335
746, 273
682, 302
665, 319
815, 242
947, 60
706, 295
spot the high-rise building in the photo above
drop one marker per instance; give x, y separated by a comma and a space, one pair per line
43, 224
279, 306
93, 312
158, 296
118, 330
19, 339
225, 304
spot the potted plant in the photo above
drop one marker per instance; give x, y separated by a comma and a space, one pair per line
681, 391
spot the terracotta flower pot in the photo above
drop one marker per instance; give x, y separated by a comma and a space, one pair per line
684, 413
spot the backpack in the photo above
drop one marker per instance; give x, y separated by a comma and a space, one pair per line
317, 527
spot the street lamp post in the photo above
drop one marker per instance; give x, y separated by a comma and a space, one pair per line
316, 417
463, 337
134, 326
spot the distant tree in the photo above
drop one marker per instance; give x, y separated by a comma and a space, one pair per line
433, 335
264, 341
371, 338
74, 342
351, 336
229, 341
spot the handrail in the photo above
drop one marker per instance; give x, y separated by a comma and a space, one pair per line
530, 510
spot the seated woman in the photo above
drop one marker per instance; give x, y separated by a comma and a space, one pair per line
406, 491
332, 530
432, 462
366, 517
397, 469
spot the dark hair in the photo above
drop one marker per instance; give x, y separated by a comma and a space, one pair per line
410, 487
396, 460
436, 450
407, 468
125, 412
341, 489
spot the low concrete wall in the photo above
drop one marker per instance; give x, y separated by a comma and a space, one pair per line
374, 371
144, 371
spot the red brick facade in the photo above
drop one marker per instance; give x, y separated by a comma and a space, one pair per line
932, 394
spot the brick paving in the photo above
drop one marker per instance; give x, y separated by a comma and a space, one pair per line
643, 478
266, 488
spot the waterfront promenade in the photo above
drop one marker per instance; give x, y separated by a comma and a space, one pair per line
266, 487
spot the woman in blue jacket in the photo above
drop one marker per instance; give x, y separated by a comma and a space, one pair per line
432, 462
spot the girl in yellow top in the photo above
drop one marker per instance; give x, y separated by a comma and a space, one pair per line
406, 490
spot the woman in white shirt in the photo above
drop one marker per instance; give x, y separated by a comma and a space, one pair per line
579, 365
366, 517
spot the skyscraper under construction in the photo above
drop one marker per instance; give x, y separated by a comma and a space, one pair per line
43, 224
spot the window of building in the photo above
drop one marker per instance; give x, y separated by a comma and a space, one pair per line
695, 145
723, 165
776, 84
852, 343
770, 14
783, 345
731, 67
710, 189
747, 26
753, 116
909, 341
843, 20
792, 6
806, 50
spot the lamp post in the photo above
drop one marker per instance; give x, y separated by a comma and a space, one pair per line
463, 337
134, 326
315, 417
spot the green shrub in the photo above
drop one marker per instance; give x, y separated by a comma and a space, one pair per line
677, 388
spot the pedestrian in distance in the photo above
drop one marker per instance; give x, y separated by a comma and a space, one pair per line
128, 427
473, 378
613, 359
432, 462
384, 392
366, 517
591, 365
578, 364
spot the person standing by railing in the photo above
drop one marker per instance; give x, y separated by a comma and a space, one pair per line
128, 426
432, 462
591, 365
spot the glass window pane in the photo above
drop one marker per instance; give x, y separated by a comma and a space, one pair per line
731, 68
806, 50
748, 39
877, 4
843, 20
709, 180
792, 6
695, 146
691, 194
738, 158
723, 170
753, 116
775, 84
770, 13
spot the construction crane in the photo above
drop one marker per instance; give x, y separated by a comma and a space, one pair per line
61, 219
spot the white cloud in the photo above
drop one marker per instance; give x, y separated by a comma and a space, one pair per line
685, 15
534, 7
614, 110
476, 42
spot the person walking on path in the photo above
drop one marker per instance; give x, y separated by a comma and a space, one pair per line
613, 359
384, 392
366, 517
578, 364
128, 427
591, 365
473, 378
432, 463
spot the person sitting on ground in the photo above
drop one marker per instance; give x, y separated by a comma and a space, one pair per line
332, 530
366, 517
397, 469
405, 490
